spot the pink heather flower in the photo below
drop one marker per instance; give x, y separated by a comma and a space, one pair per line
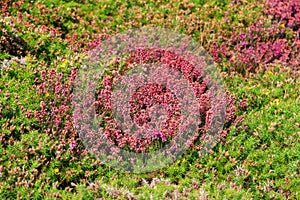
173, 147
63, 143
161, 136
72, 145
28, 113
243, 105
238, 120
4, 7
42, 105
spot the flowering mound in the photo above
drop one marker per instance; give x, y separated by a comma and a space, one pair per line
147, 71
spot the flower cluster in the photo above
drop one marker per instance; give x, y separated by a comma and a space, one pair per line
286, 12
262, 44
150, 94
55, 114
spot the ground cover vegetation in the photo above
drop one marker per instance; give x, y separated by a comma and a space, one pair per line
256, 47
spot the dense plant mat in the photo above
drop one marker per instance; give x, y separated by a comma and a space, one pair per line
256, 47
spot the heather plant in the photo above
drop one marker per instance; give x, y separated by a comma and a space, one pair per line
267, 42
118, 131
54, 114
284, 12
